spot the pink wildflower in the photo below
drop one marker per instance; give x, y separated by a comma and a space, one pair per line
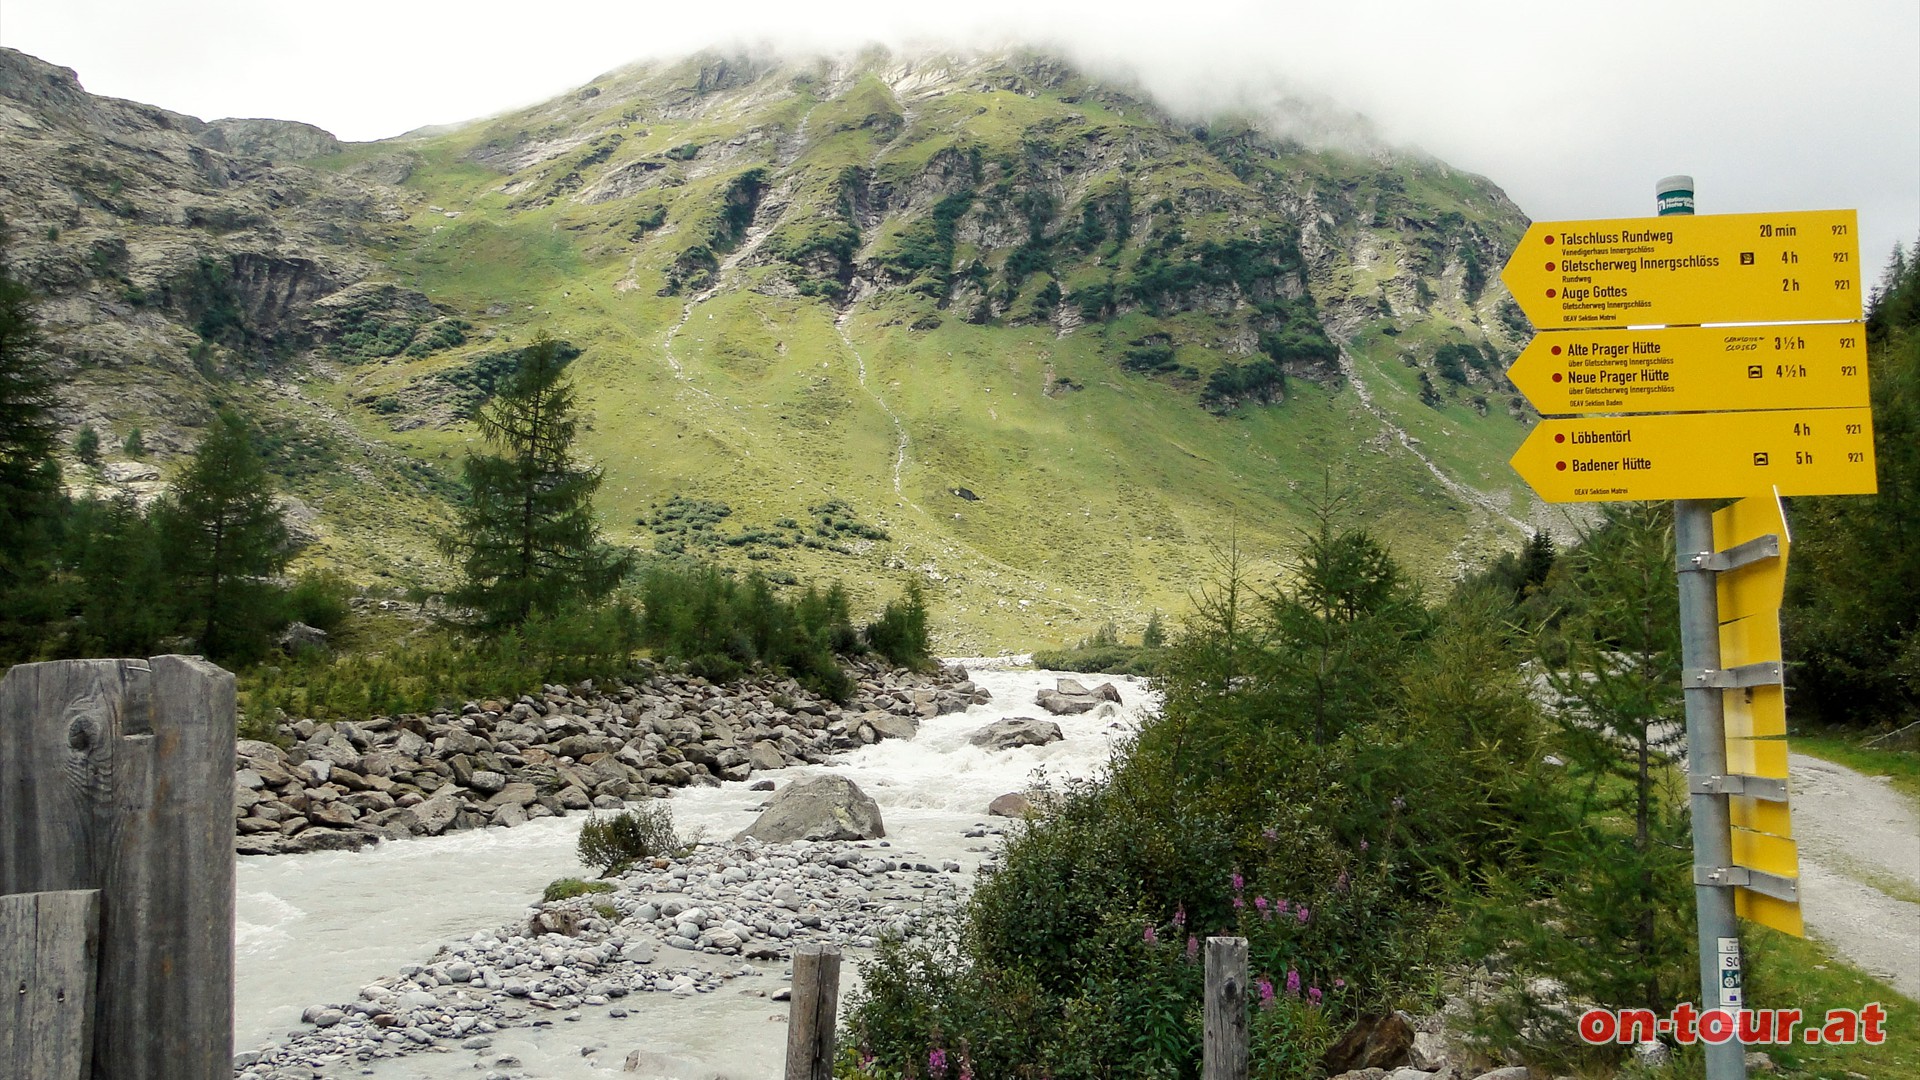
1313, 995
1293, 983
1150, 936
1238, 882
1303, 914
1339, 984
1283, 906
937, 1062
1266, 994
1239, 903
1180, 915
1193, 946
1261, 903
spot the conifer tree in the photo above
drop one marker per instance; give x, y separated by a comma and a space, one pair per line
86, 446
525, 541
1604, 835
29, 476
222, 534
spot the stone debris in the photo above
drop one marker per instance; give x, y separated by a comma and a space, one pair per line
346, 784
730, 902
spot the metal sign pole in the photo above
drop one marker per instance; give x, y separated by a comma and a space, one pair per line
1721, 975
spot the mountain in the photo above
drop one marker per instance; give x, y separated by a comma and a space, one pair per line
985, 318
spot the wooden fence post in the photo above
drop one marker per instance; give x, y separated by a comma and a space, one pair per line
816, 999
48, 956
1225, 1050
117, 775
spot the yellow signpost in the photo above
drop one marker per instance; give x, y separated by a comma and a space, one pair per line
1665, 408
1700, 455
1752, 537
1695, 369
1789, 267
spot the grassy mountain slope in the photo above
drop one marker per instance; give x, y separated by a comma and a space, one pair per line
983, 318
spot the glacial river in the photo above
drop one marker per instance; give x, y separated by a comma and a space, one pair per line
315, 928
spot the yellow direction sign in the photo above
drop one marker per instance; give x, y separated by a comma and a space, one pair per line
1788, 267
1757, 587
1700, 455
1782, 915
1695, 369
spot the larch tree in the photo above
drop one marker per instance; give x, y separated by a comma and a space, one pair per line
525, 539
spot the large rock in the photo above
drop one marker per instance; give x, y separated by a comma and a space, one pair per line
1374, 1042
1060, 704
1012, 804
888, 726
437, 813
822, 808
1016, 731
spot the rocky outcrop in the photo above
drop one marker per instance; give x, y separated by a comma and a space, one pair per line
345, 784
820, 808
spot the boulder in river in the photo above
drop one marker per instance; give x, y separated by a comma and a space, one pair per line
1060, 704
1016, 731
888, 726
1012, 804
822, 808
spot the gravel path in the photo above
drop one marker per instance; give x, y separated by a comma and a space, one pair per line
1857, 833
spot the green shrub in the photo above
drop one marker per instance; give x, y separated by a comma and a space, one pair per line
900, 633
611, 844
567, 888
321, 599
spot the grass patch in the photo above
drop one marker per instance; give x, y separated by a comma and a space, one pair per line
1788, 972
569, 887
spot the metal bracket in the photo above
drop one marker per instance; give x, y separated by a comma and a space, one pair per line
1755, 550
1780, 888
1765, 673
1764, 788
1720, 876
1724, 877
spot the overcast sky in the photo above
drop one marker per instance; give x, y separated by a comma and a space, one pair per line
1575, 109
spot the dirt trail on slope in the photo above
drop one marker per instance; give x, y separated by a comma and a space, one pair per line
1857, 835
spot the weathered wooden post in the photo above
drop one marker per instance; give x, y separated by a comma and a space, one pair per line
117, 776
1225, 1050
816, 998
48, 958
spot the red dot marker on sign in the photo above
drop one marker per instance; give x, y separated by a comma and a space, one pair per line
1549, 268
1559, 438
1556, 350
1549, 238
1551, 293
1561, 465
1557, 376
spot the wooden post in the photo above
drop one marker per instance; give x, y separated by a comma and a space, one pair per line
117, 775
816, 998
48, 955
1225, 1051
